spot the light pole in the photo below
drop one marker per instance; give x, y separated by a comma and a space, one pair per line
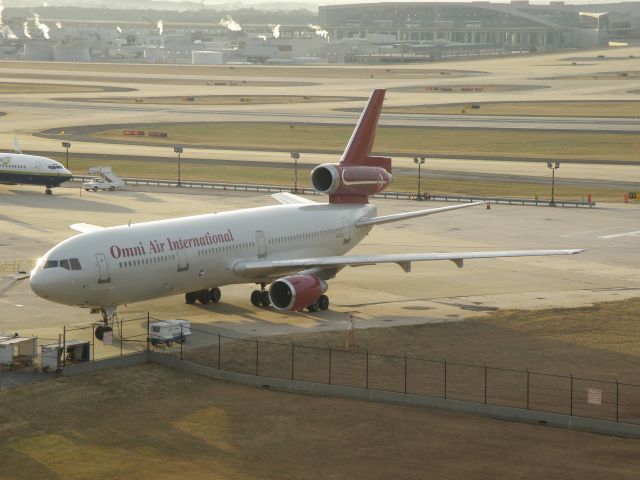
178, 149
295, 156
67, 145
553, 166
419, 161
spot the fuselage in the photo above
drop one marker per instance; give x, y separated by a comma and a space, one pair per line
18, 168
131, 263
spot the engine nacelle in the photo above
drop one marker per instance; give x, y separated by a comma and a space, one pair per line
295, 292
349, 183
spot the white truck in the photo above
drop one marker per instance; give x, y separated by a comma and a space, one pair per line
107, 180
169, 331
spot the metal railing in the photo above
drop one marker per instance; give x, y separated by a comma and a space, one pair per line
483, 384
154, 182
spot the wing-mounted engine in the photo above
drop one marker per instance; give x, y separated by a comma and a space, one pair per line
349, 184
296, 292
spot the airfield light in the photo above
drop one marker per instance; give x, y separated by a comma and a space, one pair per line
553, 166
178, 149
295, 156
67, 145
419, 161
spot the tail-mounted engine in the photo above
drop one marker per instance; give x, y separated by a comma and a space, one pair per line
295, 292
350, 184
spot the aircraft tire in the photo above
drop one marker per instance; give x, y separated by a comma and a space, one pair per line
323, 302
265, 301
99, 332
190, 297
215, 294
95, 189
112, 188
204, 296
313, 307
256, 297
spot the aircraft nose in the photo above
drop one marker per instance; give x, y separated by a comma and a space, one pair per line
38, 284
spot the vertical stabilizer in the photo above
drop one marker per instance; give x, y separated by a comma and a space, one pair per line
358, 151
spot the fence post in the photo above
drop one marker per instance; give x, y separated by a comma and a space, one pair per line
219, 351
64, 344
571, 396
293, 353
405, 373
445, 379
181, 340
617, 401
257, 356
366, 380
485, 383
528, 383
147, 331
330, 355
121, 337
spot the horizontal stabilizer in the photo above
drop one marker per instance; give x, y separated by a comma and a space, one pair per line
287, 198
396, 217
270, 268
85, 227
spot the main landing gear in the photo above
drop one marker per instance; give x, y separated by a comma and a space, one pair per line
260, 297
321, 304
48, 191
203, 296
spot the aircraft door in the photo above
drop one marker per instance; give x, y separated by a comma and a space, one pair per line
261, 243
103, 268
346, 231
183, 261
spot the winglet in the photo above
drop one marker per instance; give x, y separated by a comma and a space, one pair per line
358, 149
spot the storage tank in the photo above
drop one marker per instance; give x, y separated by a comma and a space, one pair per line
72, 54
206, 57
39, 51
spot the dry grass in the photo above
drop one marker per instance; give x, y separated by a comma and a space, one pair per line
17, 87
219, 99
407, 140
628, 109
267, 175
153, 423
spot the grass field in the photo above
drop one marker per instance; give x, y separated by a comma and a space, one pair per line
152, 423
407, 140
625, 109
268, 175
220, 99
18, 87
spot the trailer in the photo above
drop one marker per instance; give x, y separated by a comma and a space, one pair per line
18, 351
169, 331
106, 180
53, 355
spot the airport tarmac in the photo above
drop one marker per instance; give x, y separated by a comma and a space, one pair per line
384, 295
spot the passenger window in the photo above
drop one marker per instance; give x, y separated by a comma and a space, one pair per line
65, 264
51, 264
75, 264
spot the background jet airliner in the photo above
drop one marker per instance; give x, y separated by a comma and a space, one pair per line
295, 247
21, 169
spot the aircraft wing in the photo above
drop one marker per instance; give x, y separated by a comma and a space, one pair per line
85, 227
271, 268
287, 198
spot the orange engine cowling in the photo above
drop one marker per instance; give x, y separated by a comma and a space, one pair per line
296, 292
349, 184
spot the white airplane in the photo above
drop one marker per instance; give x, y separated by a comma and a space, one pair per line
21, 169
295, 247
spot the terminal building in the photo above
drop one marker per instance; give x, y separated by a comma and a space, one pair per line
515, 26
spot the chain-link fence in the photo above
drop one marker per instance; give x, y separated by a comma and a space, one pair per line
592, 398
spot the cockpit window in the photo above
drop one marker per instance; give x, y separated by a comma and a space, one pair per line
65, 264
51, 264
54, 166
75, 264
